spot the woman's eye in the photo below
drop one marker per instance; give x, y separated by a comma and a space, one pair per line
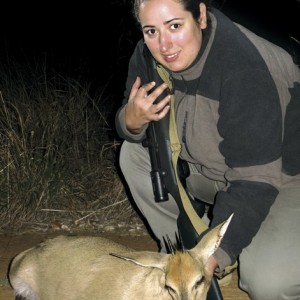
175, 26
151, 31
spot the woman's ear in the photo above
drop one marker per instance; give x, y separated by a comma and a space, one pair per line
203, 16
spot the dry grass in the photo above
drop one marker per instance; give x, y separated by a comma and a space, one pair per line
57, 153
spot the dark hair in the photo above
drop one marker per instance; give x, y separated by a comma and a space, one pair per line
189, 5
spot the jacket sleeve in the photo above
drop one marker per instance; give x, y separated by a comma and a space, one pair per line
250, 124
137, 67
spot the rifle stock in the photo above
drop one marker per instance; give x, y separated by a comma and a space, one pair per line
163, 175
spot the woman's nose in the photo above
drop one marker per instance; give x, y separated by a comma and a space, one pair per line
165, 43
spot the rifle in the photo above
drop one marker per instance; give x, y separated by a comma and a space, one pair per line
163, 175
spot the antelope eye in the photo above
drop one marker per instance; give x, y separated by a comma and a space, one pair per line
170, 289
199, 282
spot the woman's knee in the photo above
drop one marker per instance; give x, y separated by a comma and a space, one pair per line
125, 155
130, 155
269, 265
269, 282
134, 161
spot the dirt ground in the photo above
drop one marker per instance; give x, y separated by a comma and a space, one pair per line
11, 244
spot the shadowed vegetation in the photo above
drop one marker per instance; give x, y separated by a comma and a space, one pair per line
57, 152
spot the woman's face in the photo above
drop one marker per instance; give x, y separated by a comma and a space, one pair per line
172, 35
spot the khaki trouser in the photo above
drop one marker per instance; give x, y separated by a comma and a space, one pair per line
269, 266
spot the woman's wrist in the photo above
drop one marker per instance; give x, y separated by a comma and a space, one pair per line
130, 124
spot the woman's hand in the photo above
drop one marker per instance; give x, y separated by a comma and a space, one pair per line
140, 109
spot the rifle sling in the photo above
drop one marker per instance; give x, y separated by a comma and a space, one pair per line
175, 145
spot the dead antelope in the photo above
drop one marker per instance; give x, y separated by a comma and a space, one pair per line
84, 268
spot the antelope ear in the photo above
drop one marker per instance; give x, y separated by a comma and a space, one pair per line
146, 259
211, 241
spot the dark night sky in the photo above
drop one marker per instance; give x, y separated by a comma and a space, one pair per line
79, 38
96, 42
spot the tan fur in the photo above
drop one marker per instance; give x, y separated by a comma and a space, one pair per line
85, 268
